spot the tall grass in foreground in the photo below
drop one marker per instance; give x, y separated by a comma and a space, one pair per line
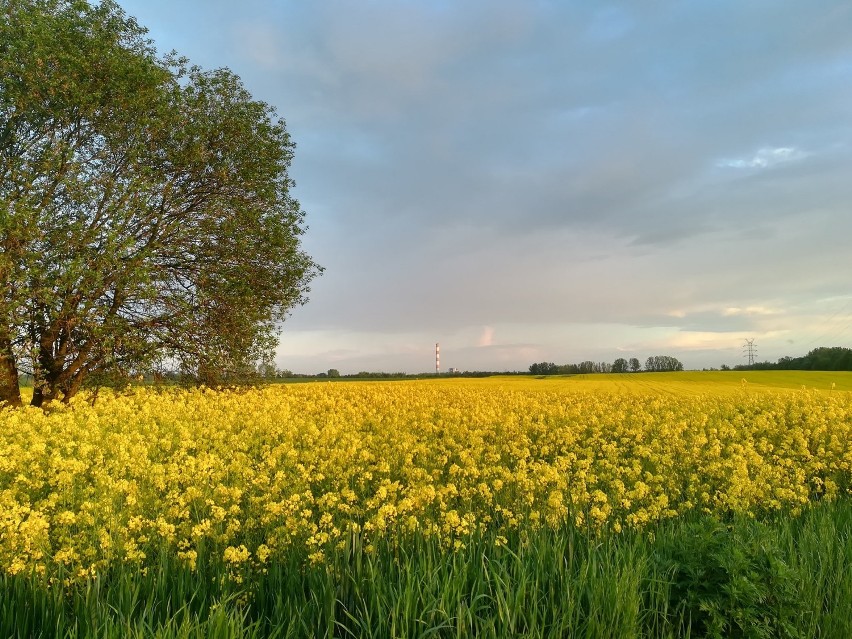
695, 576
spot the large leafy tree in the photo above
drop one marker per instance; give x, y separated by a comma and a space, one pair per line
145, 207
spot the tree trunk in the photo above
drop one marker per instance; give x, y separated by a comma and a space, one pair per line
73, 385
42, 393
45, 380
55, 377
10, 392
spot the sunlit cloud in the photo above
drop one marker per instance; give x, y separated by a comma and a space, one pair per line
701, 340
733, 311
765, 158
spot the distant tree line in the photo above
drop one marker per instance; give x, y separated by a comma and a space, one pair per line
270, 373
835, 358
655, 363
661, 363
549, 368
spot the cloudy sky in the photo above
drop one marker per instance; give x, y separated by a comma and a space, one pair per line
530, 180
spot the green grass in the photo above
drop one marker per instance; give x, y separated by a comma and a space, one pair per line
696, 576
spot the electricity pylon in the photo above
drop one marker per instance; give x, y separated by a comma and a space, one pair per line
749, 350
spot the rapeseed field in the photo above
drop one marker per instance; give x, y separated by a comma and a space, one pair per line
248, 479
251, 473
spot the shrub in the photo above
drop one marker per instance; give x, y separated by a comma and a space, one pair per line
729, 580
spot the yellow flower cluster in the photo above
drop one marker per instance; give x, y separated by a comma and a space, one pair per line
252, 473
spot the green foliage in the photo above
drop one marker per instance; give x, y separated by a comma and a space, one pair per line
620, 366
693, 577
663, 364
544, 368
730, 580
145, 208
657, 363
836, 358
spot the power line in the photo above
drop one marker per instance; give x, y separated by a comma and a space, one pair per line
830, 333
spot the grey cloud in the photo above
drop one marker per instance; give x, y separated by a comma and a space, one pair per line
479, 163
482, 135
